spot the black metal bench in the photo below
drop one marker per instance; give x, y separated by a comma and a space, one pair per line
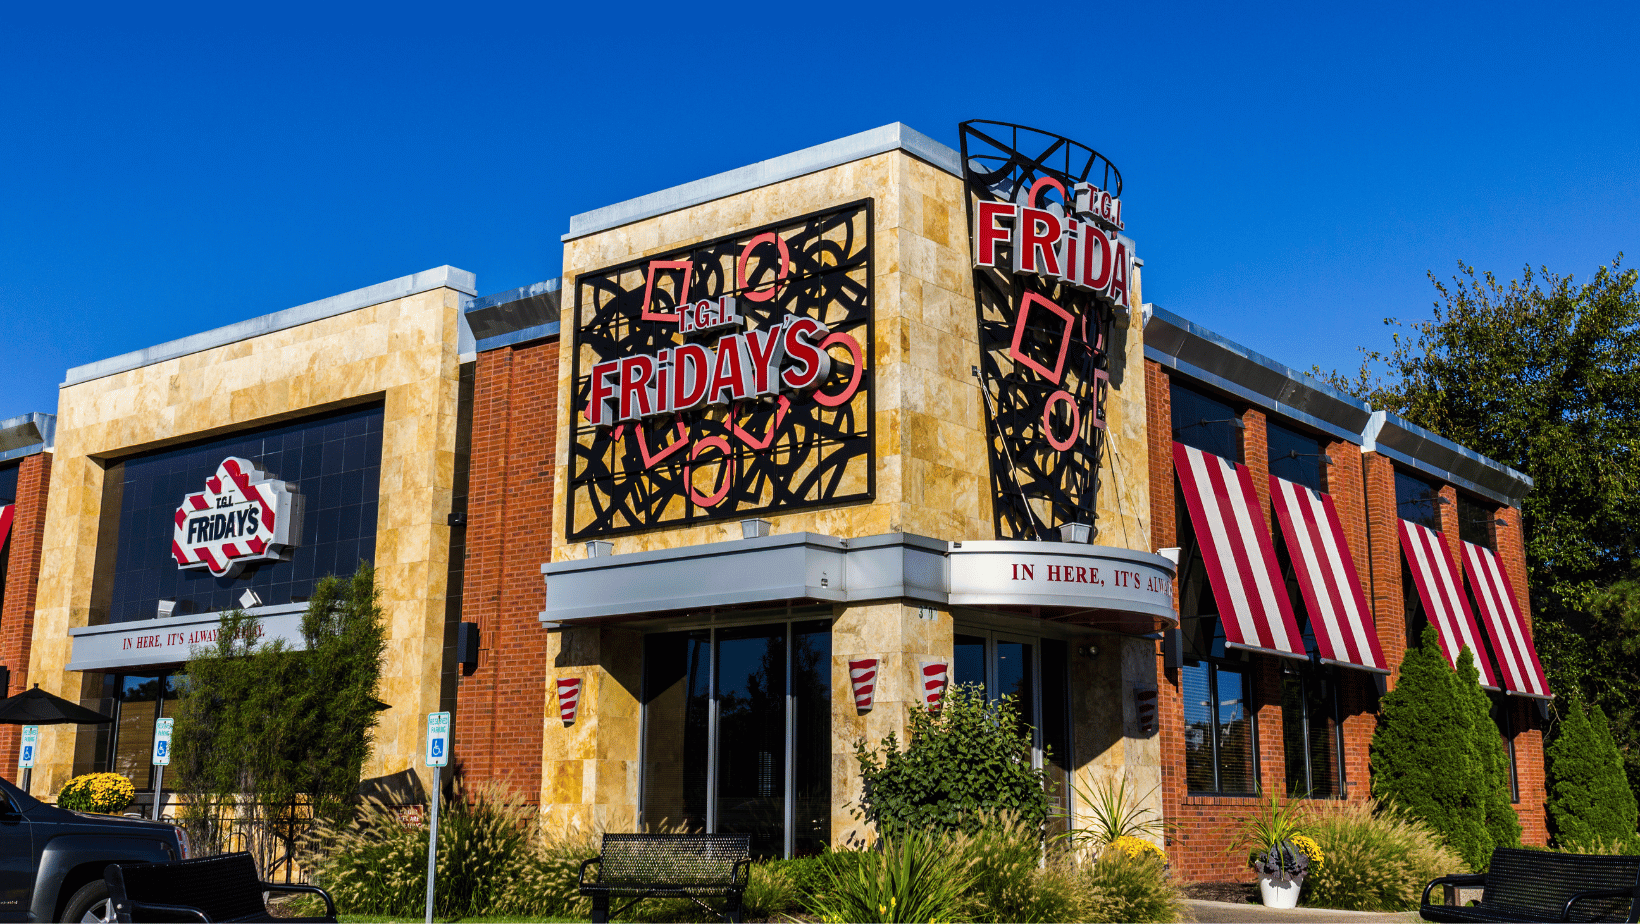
692, 866
1534, 885
223, 888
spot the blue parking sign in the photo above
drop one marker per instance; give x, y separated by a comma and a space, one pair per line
28, 753
438, 739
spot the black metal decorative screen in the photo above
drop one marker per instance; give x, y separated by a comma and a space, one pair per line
1043, 335
785, 422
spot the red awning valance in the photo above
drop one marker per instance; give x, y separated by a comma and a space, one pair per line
1241, 560
1517, 656
1339, 617
1444, 604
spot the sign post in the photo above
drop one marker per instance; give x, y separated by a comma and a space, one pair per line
438, 755
162, 759
25, 756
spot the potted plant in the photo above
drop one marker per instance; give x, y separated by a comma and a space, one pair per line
103, 793
1280, 855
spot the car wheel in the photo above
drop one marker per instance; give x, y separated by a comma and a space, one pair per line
91, 903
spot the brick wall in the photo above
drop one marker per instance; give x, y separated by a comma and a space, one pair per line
509, 535
1202, 828
22, 580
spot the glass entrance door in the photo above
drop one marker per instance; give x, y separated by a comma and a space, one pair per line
737, 734
1036, 673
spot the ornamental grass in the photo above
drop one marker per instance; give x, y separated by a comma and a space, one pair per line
1377, 858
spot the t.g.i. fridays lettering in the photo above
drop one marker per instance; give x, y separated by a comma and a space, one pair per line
240, 517
1045, 242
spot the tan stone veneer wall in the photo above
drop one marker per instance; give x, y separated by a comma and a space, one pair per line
403, 352
933, 479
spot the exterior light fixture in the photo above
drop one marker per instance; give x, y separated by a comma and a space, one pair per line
249, 599
1171, 553
166, 608
755, 529
598, 548
1076, 532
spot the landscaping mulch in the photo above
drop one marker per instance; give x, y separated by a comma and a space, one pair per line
1222, 892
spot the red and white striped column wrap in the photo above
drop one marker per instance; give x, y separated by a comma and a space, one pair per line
569, 698
935, 677
863, 675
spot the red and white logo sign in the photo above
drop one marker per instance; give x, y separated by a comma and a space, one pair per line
569, 698
863, 674
936, 676
242, 516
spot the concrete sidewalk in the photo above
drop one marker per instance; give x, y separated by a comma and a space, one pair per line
1238, 912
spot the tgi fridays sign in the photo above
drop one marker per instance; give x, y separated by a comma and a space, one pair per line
1051, 269
726, 379
242, 516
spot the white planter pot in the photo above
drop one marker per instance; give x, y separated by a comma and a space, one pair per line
1279, 896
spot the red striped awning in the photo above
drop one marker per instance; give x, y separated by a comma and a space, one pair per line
1339, 617
1517, 656
6, 513
1241, 559
1444, 604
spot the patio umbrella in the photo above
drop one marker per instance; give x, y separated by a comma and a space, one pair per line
37, 707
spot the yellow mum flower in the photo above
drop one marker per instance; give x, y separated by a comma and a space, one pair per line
1307, 846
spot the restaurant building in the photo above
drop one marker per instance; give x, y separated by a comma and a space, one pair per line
786, 451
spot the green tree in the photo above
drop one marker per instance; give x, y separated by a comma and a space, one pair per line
1543, 374
1589, 796
1501, 821
1423, 754
265, 733
967, 762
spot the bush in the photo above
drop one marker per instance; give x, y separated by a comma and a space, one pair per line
1499, 818
1377, 858
1589, 797
1010, 882
914, 875
493, 858
106, 793
1117, 887
1425, 756
964, 764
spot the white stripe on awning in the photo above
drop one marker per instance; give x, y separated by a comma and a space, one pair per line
1241, 559
1517, 656
1437, 581
1339, 616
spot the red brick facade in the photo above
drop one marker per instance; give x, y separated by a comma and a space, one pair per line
1362, 484
509, 536
22, 580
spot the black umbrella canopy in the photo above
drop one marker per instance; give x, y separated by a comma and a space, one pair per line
37, 707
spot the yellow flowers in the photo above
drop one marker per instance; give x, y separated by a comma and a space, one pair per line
1307, 846
1135, 847
107, 793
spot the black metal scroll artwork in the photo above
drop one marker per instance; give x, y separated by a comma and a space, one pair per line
1045, 387
774, 453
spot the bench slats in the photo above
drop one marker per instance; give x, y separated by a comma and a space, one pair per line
693, 866
221, 888
1534, 885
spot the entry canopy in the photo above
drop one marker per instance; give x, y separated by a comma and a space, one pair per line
1119, 590
37, 707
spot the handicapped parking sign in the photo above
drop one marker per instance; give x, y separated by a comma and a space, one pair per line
438, 739
162, 741
31, 743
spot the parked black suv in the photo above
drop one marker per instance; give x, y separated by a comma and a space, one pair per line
51, 860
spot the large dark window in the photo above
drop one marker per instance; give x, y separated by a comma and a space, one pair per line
1205, 423
1476, 522
737, 734
1417, 501
332, 462
1219, 743
1297, 458
1310, 732
125, 746
8, 496
1506, 727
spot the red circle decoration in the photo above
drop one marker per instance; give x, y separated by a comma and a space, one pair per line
715, 498
1047, 423
854, 380
746, 254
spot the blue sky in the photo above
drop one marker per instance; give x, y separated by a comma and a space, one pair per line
1292, 171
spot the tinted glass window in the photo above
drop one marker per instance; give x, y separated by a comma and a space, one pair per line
1296, 457
1475, 522
1207, 424
8, 484
1417, 501
332, 463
